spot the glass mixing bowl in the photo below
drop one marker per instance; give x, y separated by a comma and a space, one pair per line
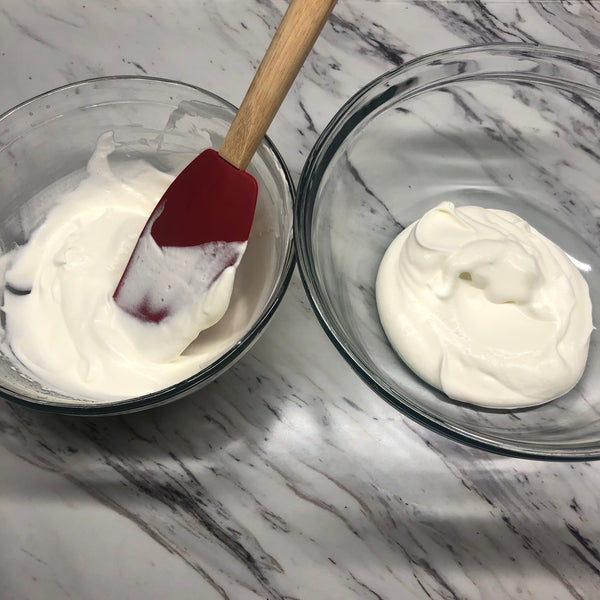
506, 126
50, 139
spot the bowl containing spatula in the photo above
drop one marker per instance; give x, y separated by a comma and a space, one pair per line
207, 144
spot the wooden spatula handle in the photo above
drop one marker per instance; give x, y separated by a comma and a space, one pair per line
288, 50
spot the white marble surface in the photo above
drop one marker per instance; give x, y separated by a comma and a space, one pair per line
286, 478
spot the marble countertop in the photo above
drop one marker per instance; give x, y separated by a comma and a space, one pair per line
286, 478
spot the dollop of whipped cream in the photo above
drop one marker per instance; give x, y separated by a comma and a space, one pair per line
62, 324
482, 306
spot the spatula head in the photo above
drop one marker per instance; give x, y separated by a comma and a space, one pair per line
208, 209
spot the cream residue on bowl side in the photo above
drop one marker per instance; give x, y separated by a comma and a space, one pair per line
482, 306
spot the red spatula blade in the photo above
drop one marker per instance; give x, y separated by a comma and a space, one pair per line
209, 205
209, 201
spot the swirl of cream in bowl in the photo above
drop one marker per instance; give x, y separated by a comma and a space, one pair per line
62, 326
482, 306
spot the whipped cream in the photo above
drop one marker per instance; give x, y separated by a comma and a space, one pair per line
195, 295
482, 306
62, 324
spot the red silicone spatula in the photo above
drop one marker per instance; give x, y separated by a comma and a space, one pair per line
210, 205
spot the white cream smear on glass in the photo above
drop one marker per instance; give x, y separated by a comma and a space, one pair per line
62, 323
482, 306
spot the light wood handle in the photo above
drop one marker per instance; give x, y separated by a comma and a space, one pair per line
293, 40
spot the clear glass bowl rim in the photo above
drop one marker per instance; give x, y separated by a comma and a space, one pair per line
206, 375
343, 122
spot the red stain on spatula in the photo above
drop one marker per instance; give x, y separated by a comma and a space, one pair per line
210, 206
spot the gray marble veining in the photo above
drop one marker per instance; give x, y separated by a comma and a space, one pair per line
286, 478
